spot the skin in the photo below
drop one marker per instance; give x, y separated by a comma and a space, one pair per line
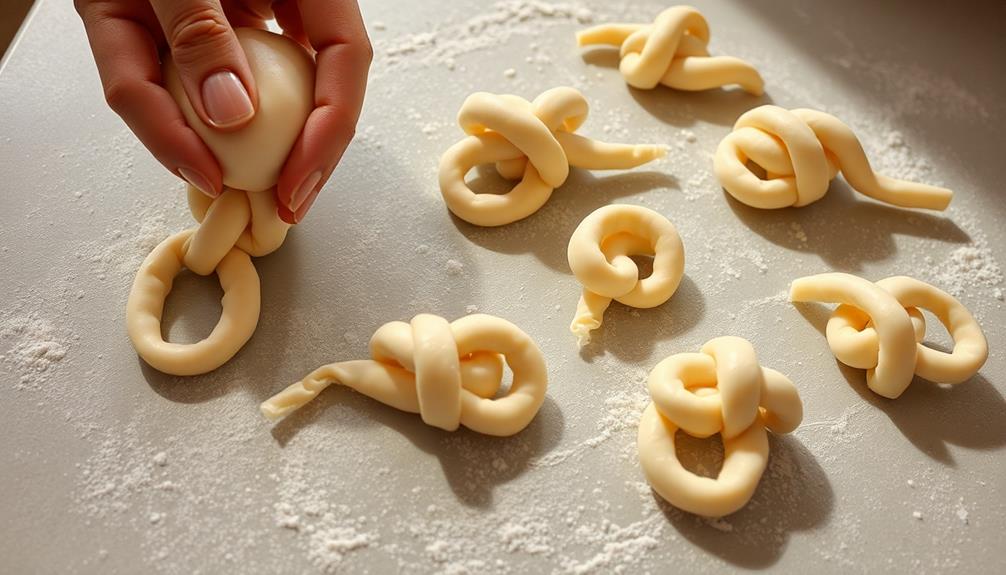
127, 38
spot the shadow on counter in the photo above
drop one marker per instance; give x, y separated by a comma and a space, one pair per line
473, 463
794, 494
931, 415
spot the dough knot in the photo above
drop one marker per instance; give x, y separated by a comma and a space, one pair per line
776, 158
672, 51
879, 327
599, 254
449, 373
235, 225
533, 142
721, 390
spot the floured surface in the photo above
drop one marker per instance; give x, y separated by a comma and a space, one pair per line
113, 468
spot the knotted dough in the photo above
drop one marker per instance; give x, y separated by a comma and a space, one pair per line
801, 151
672, 51
449, 373
721, 390
243, 221
528, 141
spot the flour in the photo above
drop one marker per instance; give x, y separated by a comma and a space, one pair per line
492, 27
30, 347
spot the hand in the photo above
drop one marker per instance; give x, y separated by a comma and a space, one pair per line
127, 36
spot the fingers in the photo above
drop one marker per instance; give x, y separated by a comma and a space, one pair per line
125, 52
335, 30
210, 61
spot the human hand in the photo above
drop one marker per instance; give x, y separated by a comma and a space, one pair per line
128, 36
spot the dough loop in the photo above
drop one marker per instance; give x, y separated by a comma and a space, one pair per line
721, 390
599, 255
879, 328
449, 373
530, 141
801, 151
673, 51
235, 225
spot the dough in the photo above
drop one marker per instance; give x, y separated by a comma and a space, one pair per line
801, 151
721, 390
449, 373
879, 328
251, 158
530, 141
598, 254
238, 223
672, 51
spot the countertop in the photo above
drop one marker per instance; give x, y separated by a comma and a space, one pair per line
112, 467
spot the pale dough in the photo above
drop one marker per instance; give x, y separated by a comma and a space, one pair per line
721, 390
801, 151
449, 373
251, 158
530, 141
599, 255
238, 223
672, 51
879, 328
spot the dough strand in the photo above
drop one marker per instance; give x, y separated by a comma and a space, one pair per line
721, 390
449, 373
528, 141
243, 221
801, 151
672, 51
879, 327
599, 254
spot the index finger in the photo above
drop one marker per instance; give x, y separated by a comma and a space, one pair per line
336, 31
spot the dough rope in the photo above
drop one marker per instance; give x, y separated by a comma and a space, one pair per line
879, 328
234, 226
530, 141
672, 51
721, 390
801, 151
238, 223
599, 254
449, 373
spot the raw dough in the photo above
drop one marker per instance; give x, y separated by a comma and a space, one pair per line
449, 373
801, 151
251, 158
598, 254
879, 328
672, 51
530, 141
721, 390
238, 223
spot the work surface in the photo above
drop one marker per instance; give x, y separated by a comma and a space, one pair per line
111, 467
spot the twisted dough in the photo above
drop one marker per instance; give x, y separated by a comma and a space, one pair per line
598, 254
801, 151
449, 373
530, 141
235, 225
879, 328
672, 51
721, 390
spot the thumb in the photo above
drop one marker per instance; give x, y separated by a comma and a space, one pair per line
211, 64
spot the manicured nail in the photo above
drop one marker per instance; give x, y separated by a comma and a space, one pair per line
300, 214
304, 191
226, 101
198, 181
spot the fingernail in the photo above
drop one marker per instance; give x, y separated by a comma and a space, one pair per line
198, 181
225, 99
304, 191
299, 215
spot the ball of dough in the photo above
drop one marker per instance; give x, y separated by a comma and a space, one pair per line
251, 157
